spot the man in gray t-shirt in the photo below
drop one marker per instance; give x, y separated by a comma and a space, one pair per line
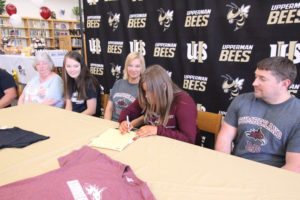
265, 125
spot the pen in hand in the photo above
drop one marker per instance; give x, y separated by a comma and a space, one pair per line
128, 122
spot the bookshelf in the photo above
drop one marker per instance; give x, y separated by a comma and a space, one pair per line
50, 30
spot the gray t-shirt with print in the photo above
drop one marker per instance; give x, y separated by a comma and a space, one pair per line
122, 95
265, 131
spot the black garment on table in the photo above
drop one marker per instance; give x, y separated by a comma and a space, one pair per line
16, 137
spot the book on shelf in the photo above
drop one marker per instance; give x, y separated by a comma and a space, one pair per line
56, 25
76, 42
37, 28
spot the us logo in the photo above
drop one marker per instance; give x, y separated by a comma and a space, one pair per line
237, 16
196, 51
137, 46
290, 50
95, 47
92, 2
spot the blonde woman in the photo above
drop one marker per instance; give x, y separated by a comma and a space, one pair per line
125, 91
167, 110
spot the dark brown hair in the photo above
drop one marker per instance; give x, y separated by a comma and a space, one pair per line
84, 78
282, 68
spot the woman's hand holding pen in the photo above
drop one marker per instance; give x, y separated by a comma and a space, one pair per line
124, 128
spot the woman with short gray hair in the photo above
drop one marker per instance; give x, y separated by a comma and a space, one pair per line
46, 87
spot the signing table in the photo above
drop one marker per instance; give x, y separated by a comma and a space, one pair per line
172, 169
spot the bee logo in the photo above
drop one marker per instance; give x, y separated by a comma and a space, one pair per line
232, 86
165, 18
237, 15
22, 70
115, 70
113, 20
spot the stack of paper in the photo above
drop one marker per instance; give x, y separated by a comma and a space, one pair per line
113, 139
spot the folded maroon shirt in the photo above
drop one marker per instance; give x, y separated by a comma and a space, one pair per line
84, 174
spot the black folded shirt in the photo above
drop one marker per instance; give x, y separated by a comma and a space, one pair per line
17, 137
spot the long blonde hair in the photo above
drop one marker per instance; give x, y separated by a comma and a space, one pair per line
130, 57
161, 89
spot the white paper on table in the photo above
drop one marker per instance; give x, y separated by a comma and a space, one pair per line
113, 139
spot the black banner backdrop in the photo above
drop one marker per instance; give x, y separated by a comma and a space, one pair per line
209, 47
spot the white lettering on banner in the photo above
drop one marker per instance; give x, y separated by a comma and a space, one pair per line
115, 47
138, 46
141, 15
197, 51
235, 53
92, 2
166, 50
293, 89
238, 46
93, 23
195, 83
137, 20
97, 69
95, 47
165, 44
96, 65
94, 17
197, 18
198, 12
288, 13
200, 78
294, 86
115, 42
287, 6
290, 50
223, 113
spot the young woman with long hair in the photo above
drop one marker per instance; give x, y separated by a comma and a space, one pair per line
167, 110
82, 88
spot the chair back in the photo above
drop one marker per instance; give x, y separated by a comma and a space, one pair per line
209, 122
20, 87
104, 100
